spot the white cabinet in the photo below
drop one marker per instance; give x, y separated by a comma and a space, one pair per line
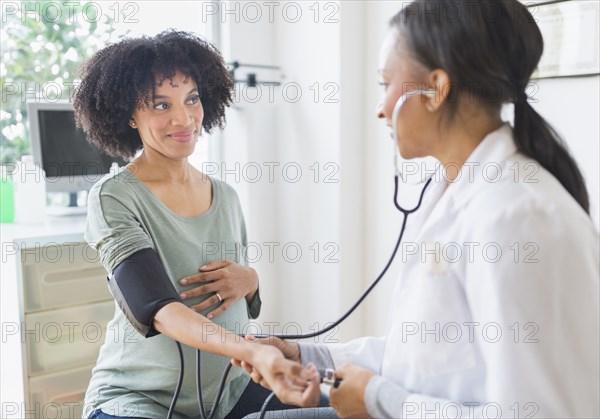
55, 305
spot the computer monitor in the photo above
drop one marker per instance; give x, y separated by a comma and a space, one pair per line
70, 162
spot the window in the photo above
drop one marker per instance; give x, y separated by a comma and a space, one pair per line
43, 43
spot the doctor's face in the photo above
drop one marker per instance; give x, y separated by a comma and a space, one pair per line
400, 74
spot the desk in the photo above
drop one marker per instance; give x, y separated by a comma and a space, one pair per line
55, 305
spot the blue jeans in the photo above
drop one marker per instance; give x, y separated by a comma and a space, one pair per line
251, 401
99, 414
253, 398
312, 413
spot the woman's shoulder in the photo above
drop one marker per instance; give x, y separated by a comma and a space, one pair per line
116, 184
225, 190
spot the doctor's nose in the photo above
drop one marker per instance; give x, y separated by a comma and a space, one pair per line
379, 110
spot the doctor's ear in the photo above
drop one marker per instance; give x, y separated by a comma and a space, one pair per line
132, 124
439, 82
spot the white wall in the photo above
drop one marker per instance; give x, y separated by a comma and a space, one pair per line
356, 213
320, 132
382, 220
572, 106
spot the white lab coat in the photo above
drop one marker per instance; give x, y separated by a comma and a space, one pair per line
487, 334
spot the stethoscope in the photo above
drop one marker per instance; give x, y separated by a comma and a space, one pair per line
329, 375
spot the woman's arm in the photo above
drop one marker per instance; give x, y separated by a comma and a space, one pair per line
143, 290
179, 322
289, 380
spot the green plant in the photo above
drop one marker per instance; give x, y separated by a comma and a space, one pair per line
42, 46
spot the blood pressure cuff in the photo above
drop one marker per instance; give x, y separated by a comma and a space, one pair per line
141, 287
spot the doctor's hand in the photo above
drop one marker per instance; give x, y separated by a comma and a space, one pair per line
349, 398
290, 350
229, 281
290, 381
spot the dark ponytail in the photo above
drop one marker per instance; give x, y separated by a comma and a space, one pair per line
490, 43
534, 136
537, 139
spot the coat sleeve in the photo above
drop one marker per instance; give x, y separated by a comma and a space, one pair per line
539, 294
365, 352
543, 295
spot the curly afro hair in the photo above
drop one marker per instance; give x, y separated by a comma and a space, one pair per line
123, 76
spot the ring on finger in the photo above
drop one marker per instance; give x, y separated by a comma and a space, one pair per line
219, 297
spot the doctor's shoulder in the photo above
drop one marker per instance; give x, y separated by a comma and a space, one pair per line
527, 201
535, 187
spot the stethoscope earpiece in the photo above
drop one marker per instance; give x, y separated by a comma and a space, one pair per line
401, 101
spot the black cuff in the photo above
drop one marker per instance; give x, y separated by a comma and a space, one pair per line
255, 305
141, 287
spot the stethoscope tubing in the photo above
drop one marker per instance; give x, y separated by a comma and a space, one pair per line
406, 212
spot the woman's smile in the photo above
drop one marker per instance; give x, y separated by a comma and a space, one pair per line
183, 136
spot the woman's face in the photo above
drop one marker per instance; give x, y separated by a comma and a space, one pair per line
399, 75
170, 126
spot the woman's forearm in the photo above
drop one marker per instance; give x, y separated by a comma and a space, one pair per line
179, 322
291, 382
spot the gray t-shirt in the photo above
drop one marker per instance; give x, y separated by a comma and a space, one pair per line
134, 375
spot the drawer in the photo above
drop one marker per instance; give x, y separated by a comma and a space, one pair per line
66, 338
59, 395
61, 275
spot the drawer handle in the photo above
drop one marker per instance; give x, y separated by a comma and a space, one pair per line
68, 276
73, 397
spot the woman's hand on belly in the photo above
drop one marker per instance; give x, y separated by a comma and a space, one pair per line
229, 281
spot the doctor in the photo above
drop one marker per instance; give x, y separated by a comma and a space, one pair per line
496, 311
